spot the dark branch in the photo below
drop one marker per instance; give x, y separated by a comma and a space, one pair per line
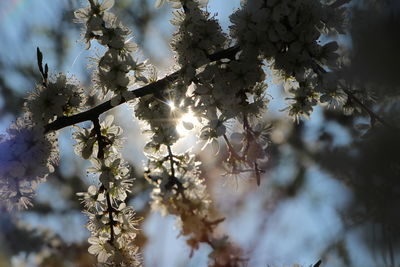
339, 3
227, 53
171, 160
152, 88
100, 141
232, 152
172, 178
100, 155
374, 117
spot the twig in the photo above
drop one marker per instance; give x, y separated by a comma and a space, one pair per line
110, 210
100, 141
232, 152
100, 155
372, 114
171, 160
374, 117
257, 172
172, 178
339, 3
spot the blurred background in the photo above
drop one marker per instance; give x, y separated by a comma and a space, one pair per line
331, 189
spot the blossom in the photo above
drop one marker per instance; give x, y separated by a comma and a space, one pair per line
101, 248
95, 8
60, 96
93, 16
287, 32
198, 36
27, 156
89, 198
86, 139
112, 74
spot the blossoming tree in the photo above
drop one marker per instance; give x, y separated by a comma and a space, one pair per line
218, 78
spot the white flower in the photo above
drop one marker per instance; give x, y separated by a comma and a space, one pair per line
85, 14
59, 97
89, 198
101, 247
85, 142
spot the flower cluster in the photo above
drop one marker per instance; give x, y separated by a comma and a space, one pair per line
178, 188
116, 64
28, 154
26, 158
87, 145
112, 224
180, 191
198, 37
162, 119
287, 33
239, 77
57, 97
202, 90
242, 81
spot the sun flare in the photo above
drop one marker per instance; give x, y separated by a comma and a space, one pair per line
186, 123
172, 106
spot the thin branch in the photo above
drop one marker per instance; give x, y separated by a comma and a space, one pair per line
339, 3
171, 160
110, 210
100, 141
372, 114
100, 155
172, 178
228, 53
374, 117
145, 90
232, 151
257, 172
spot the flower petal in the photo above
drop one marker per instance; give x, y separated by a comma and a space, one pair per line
107, 4
159, 3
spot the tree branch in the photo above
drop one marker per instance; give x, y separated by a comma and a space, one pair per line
171, 160
339, 3
374, 117
172, 178
232, 152
152, 88
371, 114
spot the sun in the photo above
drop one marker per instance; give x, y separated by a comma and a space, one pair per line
171, 105
186, 123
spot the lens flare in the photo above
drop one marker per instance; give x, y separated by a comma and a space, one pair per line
186, 123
